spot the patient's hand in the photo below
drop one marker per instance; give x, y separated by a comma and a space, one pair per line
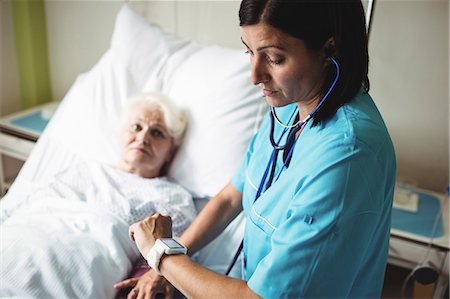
144, 233
149, 285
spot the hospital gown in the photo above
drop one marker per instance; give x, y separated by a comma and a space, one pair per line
69, 238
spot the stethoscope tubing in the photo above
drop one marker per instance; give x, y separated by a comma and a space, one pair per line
277, 147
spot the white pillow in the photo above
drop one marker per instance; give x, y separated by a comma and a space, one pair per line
144, 47
213, 86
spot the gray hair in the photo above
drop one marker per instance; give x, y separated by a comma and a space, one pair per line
175, 119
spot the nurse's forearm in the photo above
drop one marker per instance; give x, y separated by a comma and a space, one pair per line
213, 219
198, 282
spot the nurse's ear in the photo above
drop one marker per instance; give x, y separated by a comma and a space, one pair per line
329, 49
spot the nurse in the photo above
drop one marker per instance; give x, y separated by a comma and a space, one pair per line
318, 209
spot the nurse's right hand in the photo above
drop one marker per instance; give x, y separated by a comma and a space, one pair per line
149, 285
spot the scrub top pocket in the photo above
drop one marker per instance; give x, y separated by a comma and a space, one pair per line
261, 222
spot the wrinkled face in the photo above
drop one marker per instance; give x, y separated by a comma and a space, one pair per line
146, 143
287, 71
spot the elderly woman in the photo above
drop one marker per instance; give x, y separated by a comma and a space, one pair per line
71, 241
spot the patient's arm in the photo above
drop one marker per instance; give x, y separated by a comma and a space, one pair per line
213, 219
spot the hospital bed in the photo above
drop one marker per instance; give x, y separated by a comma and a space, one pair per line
210, 82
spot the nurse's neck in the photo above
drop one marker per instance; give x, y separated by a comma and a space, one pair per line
306, 107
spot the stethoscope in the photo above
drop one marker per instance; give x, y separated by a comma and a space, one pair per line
290, 142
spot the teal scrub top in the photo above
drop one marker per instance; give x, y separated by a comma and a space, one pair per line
322, 229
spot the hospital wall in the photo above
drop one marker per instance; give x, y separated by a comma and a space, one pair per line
409, 46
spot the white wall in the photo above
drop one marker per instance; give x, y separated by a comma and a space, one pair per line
78, 34
409, 48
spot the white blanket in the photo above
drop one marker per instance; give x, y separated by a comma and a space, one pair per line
69, 239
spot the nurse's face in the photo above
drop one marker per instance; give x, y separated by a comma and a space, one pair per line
146, 143
287, 71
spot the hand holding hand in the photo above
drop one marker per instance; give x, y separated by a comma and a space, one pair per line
146, 232
148, 285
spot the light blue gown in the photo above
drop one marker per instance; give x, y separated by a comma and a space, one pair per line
322, 229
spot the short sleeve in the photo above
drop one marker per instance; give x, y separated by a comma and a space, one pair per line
238, 179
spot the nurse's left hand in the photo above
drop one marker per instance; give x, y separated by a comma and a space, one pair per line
146, 232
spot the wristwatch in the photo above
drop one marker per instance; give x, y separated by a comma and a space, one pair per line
163, 246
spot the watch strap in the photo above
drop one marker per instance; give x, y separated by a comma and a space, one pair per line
154, 255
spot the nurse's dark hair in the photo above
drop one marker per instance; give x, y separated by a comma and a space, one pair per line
315, 22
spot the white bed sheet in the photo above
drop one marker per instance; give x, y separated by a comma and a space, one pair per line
69, 239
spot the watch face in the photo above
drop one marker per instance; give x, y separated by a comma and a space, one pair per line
171, 243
